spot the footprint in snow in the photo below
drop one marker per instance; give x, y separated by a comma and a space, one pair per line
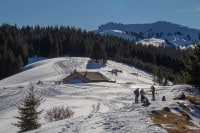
67, 126
106, 124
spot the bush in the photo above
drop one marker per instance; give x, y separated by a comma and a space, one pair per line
58, 113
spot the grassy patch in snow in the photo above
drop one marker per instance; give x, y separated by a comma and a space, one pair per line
172, 122
194, 98
181, 122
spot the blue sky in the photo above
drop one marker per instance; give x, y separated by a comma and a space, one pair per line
89, 14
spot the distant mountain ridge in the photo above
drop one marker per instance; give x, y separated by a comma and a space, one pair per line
161, 32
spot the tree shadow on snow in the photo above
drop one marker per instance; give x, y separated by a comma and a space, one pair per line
94, 65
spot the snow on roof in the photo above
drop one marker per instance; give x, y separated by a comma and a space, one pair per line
91, 76
94, 76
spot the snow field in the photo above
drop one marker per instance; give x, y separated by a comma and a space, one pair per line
97, 107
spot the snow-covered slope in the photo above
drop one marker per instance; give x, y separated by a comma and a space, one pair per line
152, 41
97, 107
57, 68
170, 33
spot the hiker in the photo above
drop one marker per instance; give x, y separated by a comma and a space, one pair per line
182, 96
136, 92
163, 98
146, 102
142, 93
153, 92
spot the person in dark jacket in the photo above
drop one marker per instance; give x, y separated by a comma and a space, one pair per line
142, 93
163, 98
136, 92
153, 92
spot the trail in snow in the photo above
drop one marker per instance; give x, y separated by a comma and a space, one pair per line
98, 107
110, 111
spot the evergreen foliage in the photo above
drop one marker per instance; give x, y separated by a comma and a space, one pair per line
57, 41
28, 114
98, 53
194, 67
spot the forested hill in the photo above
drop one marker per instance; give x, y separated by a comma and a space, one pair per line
17, 44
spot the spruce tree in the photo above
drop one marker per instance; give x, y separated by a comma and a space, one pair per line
19, 63
194, 67
28, 119
98, 53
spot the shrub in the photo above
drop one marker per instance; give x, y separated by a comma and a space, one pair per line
58, 113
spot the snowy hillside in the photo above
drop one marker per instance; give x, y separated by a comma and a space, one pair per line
170, 33
98, 107
152, 41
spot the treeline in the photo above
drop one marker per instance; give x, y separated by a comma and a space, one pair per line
17, 44
164, 63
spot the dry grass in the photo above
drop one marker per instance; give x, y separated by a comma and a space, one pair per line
185, 111
58, 113
194, 98
173, 123
185, 108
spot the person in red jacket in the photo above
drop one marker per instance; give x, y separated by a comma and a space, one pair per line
182, 96
146, 101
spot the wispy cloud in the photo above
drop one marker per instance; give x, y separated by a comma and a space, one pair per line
193, 10
196, 10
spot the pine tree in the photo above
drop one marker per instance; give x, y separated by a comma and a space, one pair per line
194, 67
28, 119
19, 63
98, 53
